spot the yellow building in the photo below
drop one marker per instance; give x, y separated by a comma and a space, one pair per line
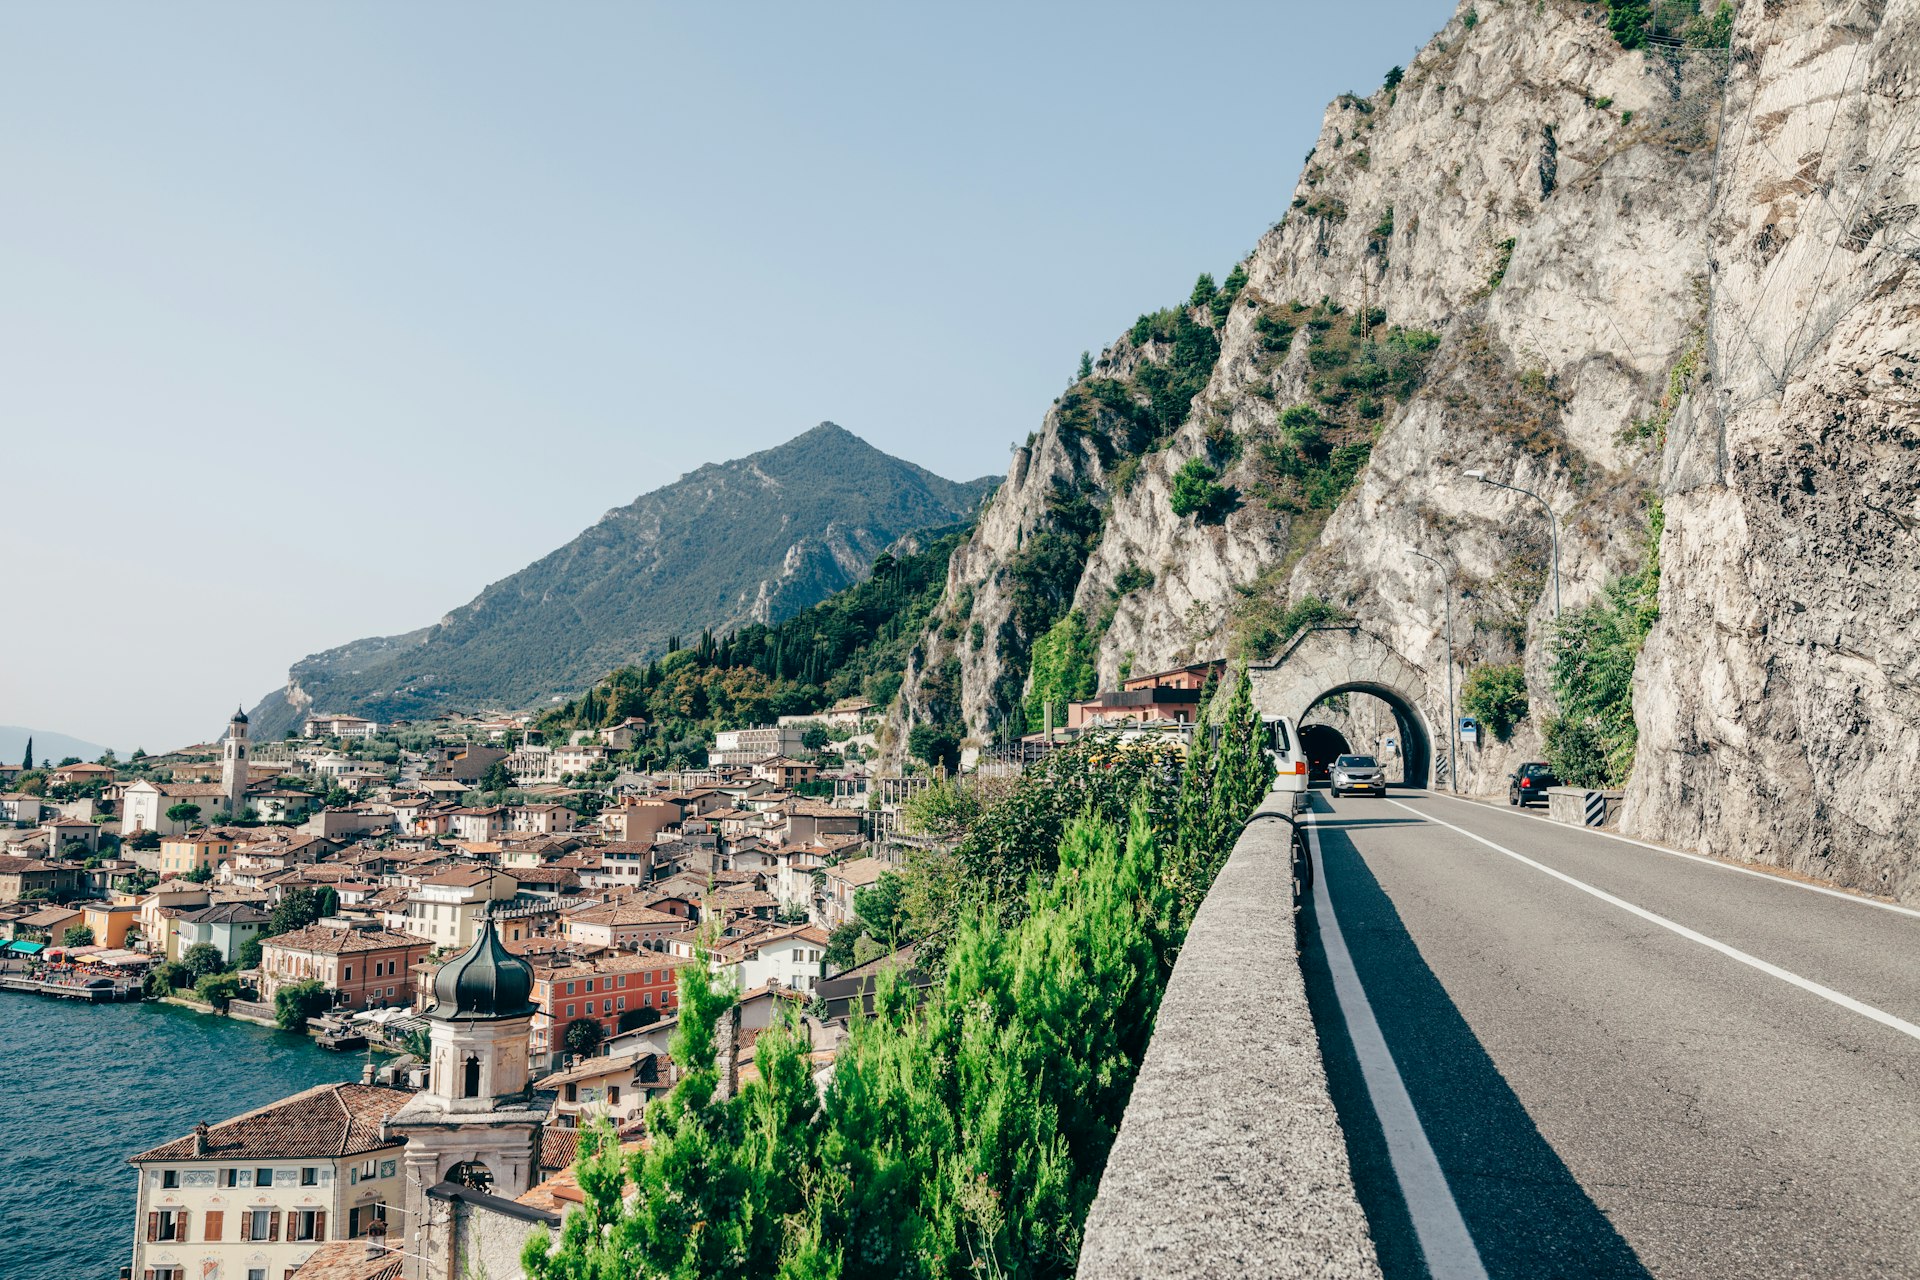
109, 921
196, 851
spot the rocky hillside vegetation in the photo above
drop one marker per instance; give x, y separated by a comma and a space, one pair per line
731, 544
1645, 261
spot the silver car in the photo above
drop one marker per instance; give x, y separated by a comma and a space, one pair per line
1359, 775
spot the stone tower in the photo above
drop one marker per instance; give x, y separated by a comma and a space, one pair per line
477, 1124
233, 764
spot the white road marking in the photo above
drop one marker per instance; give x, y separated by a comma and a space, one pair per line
1719, 863
1692, 935
1443, 1235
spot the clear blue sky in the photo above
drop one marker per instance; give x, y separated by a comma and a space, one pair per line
315, 319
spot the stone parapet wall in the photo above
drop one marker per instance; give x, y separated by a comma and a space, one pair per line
1231, 1160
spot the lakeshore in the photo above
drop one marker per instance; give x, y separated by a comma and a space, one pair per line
93, 1083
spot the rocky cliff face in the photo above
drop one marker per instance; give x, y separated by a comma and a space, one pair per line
1614, 278
1521, 216
1777, 696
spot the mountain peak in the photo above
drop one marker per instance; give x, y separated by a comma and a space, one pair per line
754, 539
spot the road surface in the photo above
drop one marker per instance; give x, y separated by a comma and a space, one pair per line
1562, 1055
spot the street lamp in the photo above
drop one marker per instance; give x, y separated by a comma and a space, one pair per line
1453, 720
1553, 528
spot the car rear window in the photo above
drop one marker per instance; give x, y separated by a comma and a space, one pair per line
1355, 762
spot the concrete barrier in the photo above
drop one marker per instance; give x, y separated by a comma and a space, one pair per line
1231, 1160
1579, 807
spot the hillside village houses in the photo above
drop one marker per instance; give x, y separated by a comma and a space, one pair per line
556, 906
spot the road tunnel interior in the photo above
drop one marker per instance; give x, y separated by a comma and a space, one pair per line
1367, 720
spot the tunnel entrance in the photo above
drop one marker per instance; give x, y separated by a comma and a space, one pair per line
1366, 719
1338, 676
1323, 744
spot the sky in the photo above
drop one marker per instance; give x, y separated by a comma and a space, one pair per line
316, 319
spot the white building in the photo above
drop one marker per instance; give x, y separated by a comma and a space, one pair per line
793, 956
745, 746
446, 909
340, 727
254, 1196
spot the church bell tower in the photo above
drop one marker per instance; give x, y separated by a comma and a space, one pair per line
477, 1124
233, 764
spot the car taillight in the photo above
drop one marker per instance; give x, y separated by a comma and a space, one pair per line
1526, 782
1299, 766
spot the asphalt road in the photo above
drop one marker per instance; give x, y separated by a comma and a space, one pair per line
1600, 1094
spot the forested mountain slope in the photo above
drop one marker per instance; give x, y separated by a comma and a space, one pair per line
753, 540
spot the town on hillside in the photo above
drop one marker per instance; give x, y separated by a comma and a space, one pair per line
508, 917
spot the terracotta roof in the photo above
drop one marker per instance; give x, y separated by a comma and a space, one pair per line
617, 913
641, 962
558, 1147
592, 1069
349, 1260
542, 875
462, 877
326, 1120
860, 872
320, 939
227, 913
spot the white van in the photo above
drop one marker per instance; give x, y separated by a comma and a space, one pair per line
1289, 761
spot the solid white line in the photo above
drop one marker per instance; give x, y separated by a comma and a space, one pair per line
1719, 863
1443, 1235
1692, 935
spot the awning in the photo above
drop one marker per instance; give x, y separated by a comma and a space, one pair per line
27, 948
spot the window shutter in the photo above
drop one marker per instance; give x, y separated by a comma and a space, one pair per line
320, 1225
180, 1226
246, 1224
153, 1227
216, 1224
273, 1225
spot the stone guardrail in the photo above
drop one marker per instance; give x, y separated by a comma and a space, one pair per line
1231, 1160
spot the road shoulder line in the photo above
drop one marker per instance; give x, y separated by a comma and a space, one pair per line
1718, 863
1846, 1002
1444, 1240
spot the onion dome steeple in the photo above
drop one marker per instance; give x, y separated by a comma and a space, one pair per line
486, 982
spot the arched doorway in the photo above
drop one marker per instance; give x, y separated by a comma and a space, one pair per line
472, 1174
1374, 720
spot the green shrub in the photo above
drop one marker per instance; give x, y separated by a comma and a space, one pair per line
1062, 671
218, 989
1502, 259
295, 1002
1592, 739
936, 745
1195, 492
1496, 696
202, 960
583, 1036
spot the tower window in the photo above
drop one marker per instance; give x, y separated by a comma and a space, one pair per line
471, 1085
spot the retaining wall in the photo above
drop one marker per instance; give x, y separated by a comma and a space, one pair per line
1231, 1160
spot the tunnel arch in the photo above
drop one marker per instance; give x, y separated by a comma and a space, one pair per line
1324, 661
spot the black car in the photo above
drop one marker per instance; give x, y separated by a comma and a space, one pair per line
1529, 783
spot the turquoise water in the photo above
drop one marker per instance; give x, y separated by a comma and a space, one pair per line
86, 1086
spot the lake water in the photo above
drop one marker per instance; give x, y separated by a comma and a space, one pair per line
82, 1087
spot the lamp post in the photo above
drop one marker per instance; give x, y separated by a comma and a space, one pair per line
1553, 528
1453, 719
